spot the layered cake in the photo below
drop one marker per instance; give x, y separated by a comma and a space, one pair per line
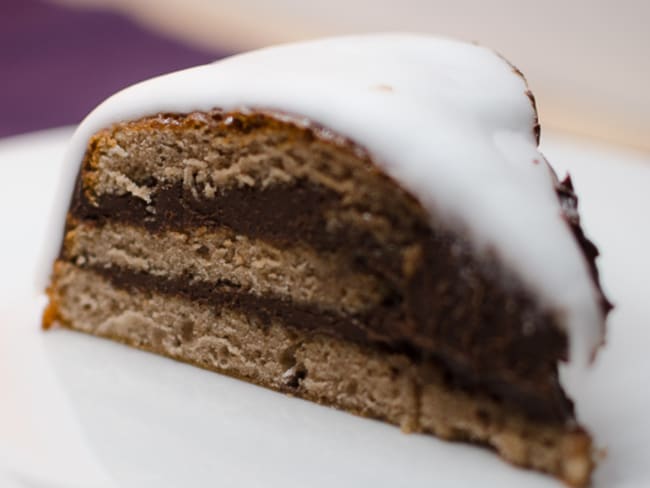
364, 222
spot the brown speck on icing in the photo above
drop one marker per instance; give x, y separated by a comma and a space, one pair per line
383, 88
531, 97
517, 71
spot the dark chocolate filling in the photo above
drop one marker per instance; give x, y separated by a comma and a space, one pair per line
279, 213
464, 313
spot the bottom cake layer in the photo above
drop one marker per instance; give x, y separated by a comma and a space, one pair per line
327, 370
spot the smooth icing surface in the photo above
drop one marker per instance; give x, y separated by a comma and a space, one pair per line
450, 121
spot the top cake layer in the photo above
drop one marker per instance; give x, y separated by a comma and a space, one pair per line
452, 123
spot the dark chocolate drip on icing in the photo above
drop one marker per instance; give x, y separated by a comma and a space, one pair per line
569, 202
547, 404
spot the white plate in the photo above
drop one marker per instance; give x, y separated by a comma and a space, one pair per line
80, 411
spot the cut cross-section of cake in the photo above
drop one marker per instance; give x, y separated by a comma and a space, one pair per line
365, 222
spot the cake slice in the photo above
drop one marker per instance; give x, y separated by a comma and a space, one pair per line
364, 222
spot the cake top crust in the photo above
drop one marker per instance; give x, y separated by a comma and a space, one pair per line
451, 122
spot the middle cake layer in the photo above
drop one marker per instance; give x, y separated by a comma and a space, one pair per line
254, 266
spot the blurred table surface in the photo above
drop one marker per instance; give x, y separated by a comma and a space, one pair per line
586, 60
57, 63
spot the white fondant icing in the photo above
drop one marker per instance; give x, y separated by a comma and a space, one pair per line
449, 121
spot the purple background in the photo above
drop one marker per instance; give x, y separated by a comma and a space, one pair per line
57, 63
